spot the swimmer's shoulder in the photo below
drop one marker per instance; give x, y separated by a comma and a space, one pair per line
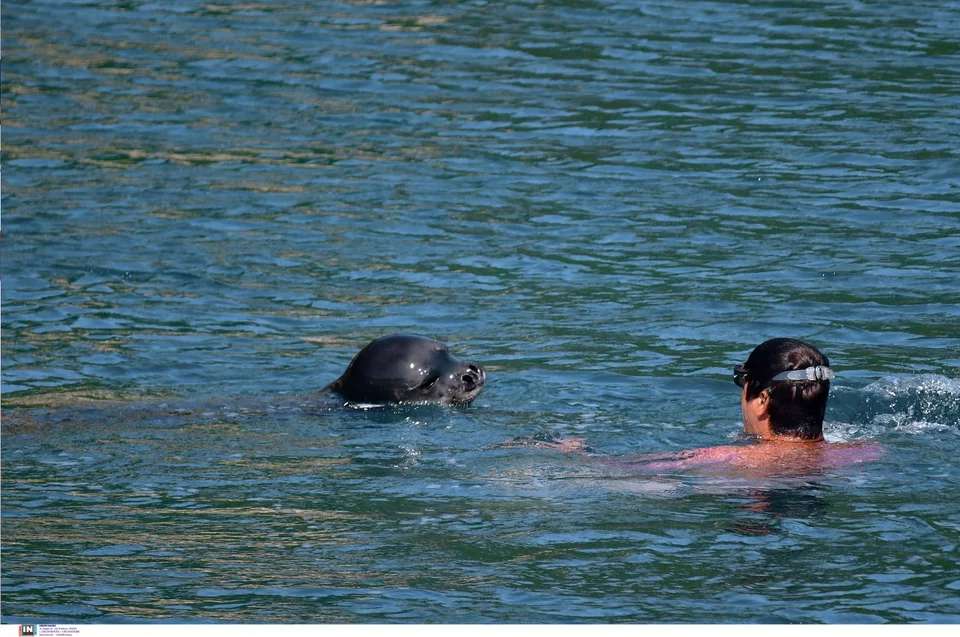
847, 453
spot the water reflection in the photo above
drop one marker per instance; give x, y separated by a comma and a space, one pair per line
763, 509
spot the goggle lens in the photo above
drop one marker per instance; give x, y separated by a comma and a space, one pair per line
739, 375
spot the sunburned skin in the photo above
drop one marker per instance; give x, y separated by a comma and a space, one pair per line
766, 458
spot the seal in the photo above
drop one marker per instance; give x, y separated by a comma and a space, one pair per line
406, 368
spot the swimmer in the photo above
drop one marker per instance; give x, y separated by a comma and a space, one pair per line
784, 387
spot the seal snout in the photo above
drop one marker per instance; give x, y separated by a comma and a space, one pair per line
473, 378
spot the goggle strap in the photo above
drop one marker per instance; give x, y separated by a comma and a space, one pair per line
817, 372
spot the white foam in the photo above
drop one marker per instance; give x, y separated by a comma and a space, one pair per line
841, 432
913, 405
363, 406
930, 383
901, 423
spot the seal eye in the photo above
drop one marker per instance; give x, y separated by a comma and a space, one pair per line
428, 382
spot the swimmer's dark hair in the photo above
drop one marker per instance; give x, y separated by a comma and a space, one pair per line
796, 408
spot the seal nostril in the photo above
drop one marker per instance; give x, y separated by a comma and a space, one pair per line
474, 369
469, 380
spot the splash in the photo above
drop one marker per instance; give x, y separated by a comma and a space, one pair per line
913, 405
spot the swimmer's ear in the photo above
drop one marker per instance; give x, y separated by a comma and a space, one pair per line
764, 399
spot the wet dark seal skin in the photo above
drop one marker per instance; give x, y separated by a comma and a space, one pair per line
406, 368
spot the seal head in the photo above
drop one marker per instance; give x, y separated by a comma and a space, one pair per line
406, 368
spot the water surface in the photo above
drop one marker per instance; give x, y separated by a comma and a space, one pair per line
210, 207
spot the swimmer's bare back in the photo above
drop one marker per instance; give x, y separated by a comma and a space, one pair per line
767, 458
763, 458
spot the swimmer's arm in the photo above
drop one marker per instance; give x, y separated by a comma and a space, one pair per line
681, 459
547, 440
636, 458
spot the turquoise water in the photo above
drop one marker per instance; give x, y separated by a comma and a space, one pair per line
208, 209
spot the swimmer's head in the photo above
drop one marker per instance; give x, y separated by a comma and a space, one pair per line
790, 405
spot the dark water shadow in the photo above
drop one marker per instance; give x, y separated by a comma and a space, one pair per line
762, 510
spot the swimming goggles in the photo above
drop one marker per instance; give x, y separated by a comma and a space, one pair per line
817, 373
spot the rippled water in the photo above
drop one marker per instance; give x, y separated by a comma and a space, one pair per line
209, 208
